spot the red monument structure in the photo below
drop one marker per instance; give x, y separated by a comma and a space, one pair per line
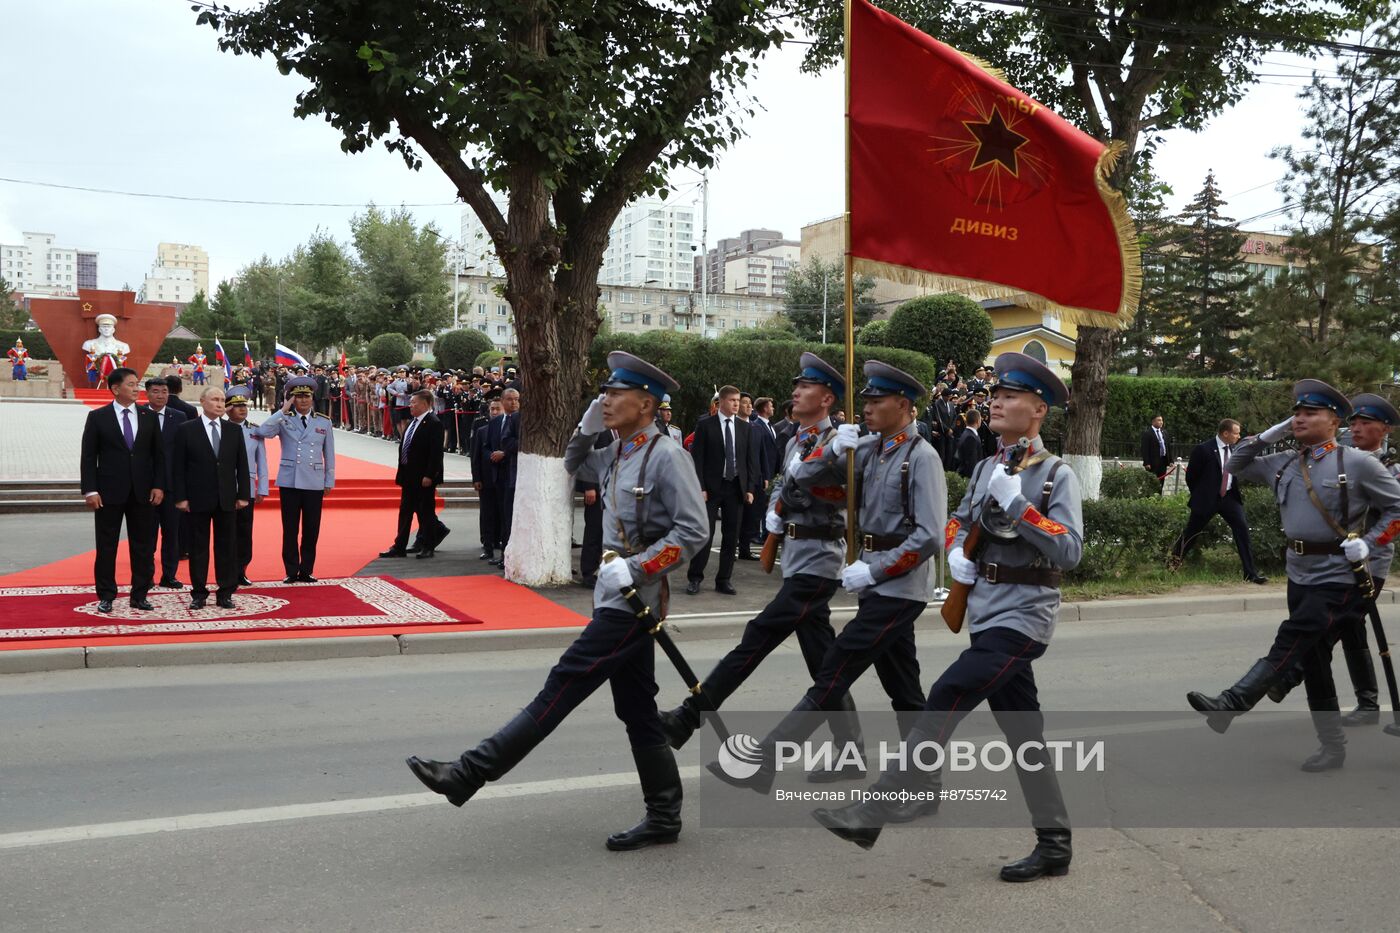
68, 323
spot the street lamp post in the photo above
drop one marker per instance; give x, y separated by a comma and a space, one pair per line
824, 274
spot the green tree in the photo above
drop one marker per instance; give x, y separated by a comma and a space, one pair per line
816, 300
200, 318
321, 292
258, 297
875, 334
942, 327
401, 275
390, 350
1201, 300
458, 349
1120, 69
12, 313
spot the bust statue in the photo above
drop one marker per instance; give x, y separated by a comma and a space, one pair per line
106, 342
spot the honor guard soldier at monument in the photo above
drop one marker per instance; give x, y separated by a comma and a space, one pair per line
1338, 505
1025, 508
655, 520
305, 470
19, 361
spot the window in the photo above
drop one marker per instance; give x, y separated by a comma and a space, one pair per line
481, 308
1035, 349
481, 288
500, 310
481, 327
628, 298
646, 319
629, 318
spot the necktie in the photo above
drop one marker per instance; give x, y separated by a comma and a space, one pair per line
730, 469
303, 421
408, 439
126, 429
1224, 470
1161, 441
214, 436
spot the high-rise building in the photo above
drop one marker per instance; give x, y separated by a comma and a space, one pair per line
478, 252
38, 267
185, 256
169, 285
87, 269
651, 244
745, 244
763, 272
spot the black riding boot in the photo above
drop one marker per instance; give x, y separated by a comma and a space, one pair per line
1221, 710
1285, 682
661, 792
845, 730
680, 723
1363, 678
459, 780
1051, 856
1328, 722
795, 726
861, 822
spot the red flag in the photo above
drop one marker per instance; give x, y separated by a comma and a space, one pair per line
342, 364
958, 181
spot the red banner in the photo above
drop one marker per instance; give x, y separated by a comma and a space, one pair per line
959, 181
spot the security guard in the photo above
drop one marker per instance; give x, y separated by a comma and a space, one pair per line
1372, 418
304, 473
813, 521
1337, 506
236, 407
1030, 515
655, 519
904, 504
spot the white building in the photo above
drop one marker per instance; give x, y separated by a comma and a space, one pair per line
762, 273
185, 256
169, 285
650, 244
478, 253
39, 268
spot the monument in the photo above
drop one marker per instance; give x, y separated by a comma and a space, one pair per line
102, 329
104, 352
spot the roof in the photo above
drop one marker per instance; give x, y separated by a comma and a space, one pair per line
1028, 330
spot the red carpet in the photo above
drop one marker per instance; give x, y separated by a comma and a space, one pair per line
363, 603
499, 604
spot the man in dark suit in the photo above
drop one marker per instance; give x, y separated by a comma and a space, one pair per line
418, 476
484, 480
176, 385
725, 462
1215, 492
968, 452
123, 475
765, 445
1154, 444
504, 456
211, 484
167, 519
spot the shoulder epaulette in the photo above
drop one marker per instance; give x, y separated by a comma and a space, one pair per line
317, 414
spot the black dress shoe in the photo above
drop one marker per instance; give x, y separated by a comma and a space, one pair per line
244, 581
588, 582
426, 553
486, 554
441, 778
411, 549
104, 605
290, 579
747, 555
692, 587
1257, 578
143, 604
196, 603
395, 552
305, 578
170, 583
725, 587
1051, 857
225, 602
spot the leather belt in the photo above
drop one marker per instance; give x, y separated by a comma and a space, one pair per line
882, 542
1028, 576
1313, 548
796, 532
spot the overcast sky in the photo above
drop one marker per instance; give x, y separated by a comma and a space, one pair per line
133, 96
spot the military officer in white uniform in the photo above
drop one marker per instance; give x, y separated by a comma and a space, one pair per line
305, 470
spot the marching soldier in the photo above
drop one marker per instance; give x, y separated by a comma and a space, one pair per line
236, 407
904, 504
305, 471
1029, 511
656, 522
1372, 418
1337, 507
812, 517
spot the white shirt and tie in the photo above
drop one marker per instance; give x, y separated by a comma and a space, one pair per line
731, 465
1222, 450
1161, 441
211, 431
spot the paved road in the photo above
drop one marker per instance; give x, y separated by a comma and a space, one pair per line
91, 748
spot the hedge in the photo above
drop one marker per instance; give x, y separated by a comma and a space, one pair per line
943, 327
762, 367
390, 350
1129, 482
458, 349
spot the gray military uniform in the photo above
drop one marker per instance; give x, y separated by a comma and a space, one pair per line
1052, 539
820, 487
307, 460
674, 524
1369, 485
257, 460
1380, 558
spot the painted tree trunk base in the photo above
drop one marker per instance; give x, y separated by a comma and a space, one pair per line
1088, 469
542, 523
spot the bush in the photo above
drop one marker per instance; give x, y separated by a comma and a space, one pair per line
458, 349
957, 488
390, 350
875, 334
1128, 482
943, 327
782, 330
488, 359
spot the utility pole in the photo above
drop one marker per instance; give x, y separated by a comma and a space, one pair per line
456, 282
824, 274
704, 250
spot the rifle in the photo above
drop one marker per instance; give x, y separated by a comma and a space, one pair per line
769, 554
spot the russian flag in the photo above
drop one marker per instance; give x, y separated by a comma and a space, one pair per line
286, 356
222, 359
247, 354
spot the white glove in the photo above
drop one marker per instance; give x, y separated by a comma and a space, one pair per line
1004, 487
847, 436
856, 577
962, 569
592, 422
795, 462
774, 523
1278, 432
614, 575
1355, 549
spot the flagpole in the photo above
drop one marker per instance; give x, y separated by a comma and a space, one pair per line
852, 522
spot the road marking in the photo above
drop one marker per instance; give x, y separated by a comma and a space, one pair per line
303, 811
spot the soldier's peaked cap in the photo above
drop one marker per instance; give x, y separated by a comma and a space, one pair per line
1314, 393
238, 395
819, 371
301, 385
633, 372
884, 379
1375, 407
1022, 373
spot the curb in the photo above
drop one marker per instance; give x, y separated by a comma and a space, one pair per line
727, 625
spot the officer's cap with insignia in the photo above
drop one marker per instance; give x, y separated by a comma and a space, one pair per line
1376, 408
666, 402
1022, 373
1314, 393
633, 372
238, 395
819, 371
301, 385
882, 379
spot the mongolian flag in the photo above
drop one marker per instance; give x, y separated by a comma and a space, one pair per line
286, 356
247, 354
960, 182
222, 358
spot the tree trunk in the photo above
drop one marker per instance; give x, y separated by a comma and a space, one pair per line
1089, 381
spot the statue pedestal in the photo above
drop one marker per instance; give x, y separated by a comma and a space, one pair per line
69, 322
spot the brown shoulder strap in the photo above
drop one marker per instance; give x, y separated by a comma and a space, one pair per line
1049, 487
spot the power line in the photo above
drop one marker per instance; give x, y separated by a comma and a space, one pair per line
209, 200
